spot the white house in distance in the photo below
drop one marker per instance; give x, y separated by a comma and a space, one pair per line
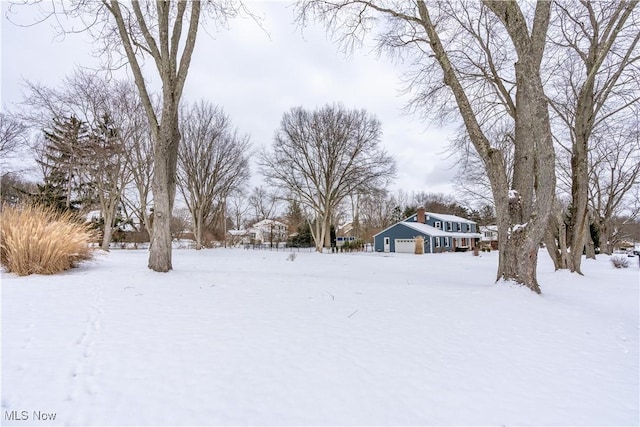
489, 236
265, 231
262, 232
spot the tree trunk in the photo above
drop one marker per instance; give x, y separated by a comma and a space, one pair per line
518, 246
551, 238
562, 238
534, 176
327, 230
606, 237
523, 221
107, 231
164, 189
316, 233
590, 248
579, 189
522, 217
319, 235
556, 240
146, 221
519, 259
197, 228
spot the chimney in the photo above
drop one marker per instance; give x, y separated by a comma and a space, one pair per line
420, 216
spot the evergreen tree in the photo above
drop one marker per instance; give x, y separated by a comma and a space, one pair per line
397, 215
294, 216
303, 239
64, 159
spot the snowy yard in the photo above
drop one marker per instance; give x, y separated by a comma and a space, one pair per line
248, 337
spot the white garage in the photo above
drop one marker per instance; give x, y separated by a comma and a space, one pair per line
407, 246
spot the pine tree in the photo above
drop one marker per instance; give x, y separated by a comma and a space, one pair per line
64, 160
294, 216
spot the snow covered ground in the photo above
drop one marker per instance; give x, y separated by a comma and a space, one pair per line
245, 337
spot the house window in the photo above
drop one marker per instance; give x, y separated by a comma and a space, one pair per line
458, 226
436, 241
447, 241
449, 226
438, 225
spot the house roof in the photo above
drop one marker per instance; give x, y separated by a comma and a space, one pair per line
447, 217
444, 217
436, 232
238, 232
267, 223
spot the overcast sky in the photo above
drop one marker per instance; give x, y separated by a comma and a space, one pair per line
257, 77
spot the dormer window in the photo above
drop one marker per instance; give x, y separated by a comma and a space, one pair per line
449, 226
458, 226
438, 225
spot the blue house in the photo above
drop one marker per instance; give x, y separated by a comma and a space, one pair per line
441, 233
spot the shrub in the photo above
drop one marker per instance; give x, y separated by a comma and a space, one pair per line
620, 261
38, 240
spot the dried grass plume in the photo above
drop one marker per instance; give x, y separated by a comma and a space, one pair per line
38, 240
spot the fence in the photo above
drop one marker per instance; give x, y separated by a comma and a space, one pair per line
283, 248
277, 248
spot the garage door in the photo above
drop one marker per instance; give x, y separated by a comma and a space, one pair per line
407, 246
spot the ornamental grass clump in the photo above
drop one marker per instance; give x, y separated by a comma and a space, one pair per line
38, 240
619, 261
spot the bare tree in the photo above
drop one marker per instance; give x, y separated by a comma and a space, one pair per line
594, 81
138, 155
89, 95
15, 189
13, 137
165, 32
325, 155
472, 182
213, 162
463, 57
615, 179
157, 31
440, 203
375, 212
118, 144
238, 208
265, 202
109, 174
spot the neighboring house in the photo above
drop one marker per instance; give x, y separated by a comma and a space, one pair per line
441, 233
344, 234
345, 230
239, 236
268, 231
489, 236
